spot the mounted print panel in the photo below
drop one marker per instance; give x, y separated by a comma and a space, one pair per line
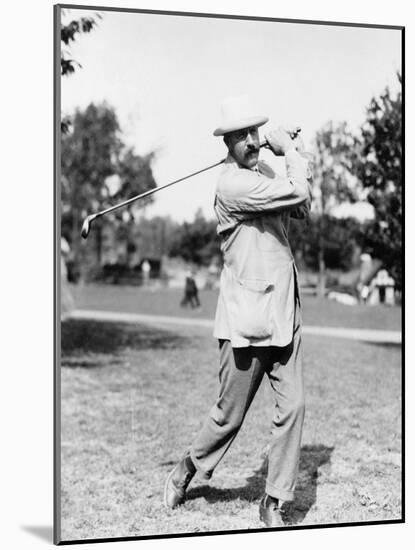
229, 274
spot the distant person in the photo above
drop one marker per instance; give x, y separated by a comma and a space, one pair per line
258, 320
191, 294
363, 285
194, 292
145, 270
67, 301
212, 276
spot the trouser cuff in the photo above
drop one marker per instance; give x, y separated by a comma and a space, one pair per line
202, 473
276, 492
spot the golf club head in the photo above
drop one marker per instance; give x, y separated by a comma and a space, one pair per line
86, 226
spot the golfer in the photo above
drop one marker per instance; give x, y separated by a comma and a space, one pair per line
258, 322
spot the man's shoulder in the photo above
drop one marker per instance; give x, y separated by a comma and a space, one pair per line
234, 179
229, 173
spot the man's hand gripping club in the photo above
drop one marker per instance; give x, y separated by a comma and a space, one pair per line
281, 140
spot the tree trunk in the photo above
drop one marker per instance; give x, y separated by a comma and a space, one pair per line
99, 244
321, 262
321, 271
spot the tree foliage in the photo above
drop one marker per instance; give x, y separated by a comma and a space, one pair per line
98, 170
337, 238
69, 32
196, 242
334, 182
146, 237
379, 167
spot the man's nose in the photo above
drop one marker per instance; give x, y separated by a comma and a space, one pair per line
250, 139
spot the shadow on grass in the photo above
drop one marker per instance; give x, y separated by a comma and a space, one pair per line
391, 345
252, 491
80, 340
311, 459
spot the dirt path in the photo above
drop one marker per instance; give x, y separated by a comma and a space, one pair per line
365, 335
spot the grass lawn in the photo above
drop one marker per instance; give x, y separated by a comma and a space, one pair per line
133, 397
166, 301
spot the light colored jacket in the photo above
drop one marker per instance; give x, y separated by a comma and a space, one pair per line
257, 287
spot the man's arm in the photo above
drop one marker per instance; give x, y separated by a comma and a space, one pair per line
245, 192
303, 211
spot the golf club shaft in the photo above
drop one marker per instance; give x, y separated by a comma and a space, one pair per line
155, 190
89, 219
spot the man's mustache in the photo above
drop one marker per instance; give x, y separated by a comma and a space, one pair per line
252, 149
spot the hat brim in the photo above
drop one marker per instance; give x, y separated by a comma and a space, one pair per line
240, 124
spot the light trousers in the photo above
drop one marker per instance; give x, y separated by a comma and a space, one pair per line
240, 375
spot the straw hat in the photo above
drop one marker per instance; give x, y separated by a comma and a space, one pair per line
237, 113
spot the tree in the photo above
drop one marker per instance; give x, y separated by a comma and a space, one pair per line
146, 237
98, 170
336, 237
196, 242
334, 181
69, 32
379, 167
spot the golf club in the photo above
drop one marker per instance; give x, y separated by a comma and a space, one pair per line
86, 226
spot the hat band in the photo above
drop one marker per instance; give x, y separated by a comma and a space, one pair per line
239, 124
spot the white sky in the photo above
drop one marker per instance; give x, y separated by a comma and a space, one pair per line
166, 76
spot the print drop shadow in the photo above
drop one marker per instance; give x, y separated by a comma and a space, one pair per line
311, 459
43, 532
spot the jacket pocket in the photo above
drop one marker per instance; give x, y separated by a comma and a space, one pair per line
251, 305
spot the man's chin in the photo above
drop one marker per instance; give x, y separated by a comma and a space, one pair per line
250, 161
